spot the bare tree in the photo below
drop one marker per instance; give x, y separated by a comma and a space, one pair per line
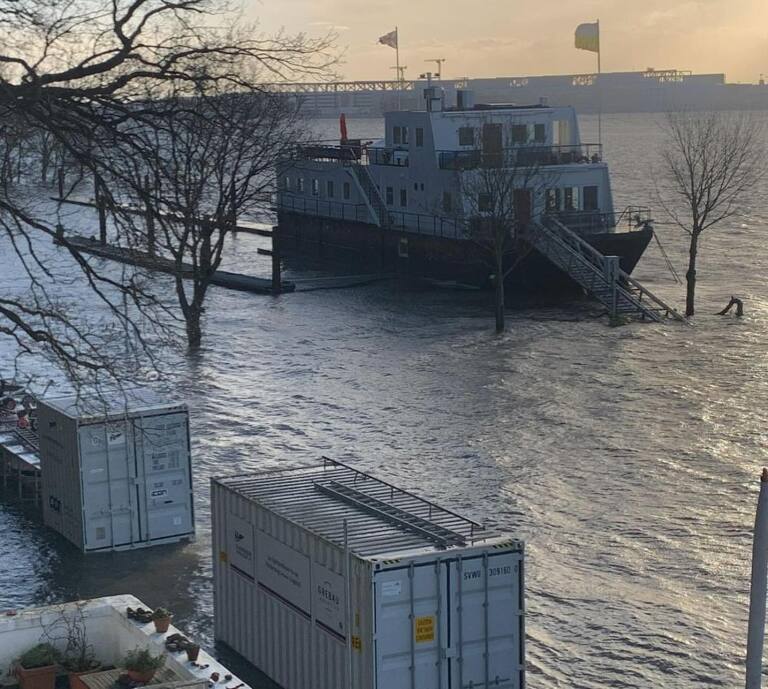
500, 193
711, 160
205, 161
88, 77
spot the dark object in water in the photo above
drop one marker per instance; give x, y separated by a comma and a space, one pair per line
739, 307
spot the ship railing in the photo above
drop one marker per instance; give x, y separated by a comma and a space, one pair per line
421, 223
325, 208
596, 222
521, 156
350, 154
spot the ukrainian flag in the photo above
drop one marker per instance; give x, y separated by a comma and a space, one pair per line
588, 37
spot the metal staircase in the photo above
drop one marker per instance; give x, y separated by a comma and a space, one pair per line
370, 193
600, 275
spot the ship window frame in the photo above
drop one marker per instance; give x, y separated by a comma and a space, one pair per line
518, 134
347, 191
447, 202
405, 135
300, 185
484, 204
593, 188
329, 188
286, 183
397, 135
540, 128
315, 186
419, 137
390, 196
403, 198
466, 136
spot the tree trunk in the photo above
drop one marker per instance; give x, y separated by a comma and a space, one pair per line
690, 276
499, 297
194, 332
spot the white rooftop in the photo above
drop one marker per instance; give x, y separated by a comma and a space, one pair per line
111, 634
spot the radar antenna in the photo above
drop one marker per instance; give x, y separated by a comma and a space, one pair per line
439, 62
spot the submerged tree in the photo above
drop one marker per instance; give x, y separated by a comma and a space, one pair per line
205, 161
501, 190
88, 78
711, 160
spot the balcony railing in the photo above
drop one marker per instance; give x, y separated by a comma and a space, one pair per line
521, 156
596, 222
351, 153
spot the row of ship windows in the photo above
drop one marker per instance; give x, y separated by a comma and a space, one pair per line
330, 187
518, 134
400, 136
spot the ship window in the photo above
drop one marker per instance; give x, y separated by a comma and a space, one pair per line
483, 201
466, 136
553, 199
415, 186
405, 135
419, 136
404, 198
390, 196
571, 198
287, 182
300, 185
397, 135
329, 188
315, 187
447, 202
422, 186
540, 133
346, 191
589, 199
519, 133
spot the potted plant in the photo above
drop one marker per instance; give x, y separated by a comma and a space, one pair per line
69, 629
162, 619
141, 665
36, 669
193, 650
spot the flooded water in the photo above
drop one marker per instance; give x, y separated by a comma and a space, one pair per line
627, 458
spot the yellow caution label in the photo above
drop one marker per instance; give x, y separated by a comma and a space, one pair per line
424, 629
357, 643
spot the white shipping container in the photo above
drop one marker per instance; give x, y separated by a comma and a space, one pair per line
116, 472
328, 578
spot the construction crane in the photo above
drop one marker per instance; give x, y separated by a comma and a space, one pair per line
439, 62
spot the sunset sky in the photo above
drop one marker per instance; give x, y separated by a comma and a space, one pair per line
515, 37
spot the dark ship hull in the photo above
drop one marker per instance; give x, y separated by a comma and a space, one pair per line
366, 248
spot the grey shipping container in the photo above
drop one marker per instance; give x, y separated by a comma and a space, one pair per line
328, 578
116, 471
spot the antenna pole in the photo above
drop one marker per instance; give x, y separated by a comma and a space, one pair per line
397, 62
599, 93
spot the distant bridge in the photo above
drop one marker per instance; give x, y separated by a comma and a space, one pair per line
342, 86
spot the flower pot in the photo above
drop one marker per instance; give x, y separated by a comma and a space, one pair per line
161, 625
140, 677
193, 650
74, 678
37, 677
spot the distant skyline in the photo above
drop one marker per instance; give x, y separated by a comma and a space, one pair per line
497, 37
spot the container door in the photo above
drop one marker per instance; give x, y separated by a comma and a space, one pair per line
486, 623
410, 628
108, 477
162, 451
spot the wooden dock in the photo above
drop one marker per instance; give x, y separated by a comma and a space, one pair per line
245, 226
221, 278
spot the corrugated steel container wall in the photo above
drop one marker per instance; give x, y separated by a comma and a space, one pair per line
123, 481
419, 616
289, 635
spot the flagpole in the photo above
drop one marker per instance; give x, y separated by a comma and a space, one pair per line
397, 62
599, 94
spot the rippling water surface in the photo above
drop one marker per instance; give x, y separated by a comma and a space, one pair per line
627, 458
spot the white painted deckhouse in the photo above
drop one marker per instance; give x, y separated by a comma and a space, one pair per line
408, 201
